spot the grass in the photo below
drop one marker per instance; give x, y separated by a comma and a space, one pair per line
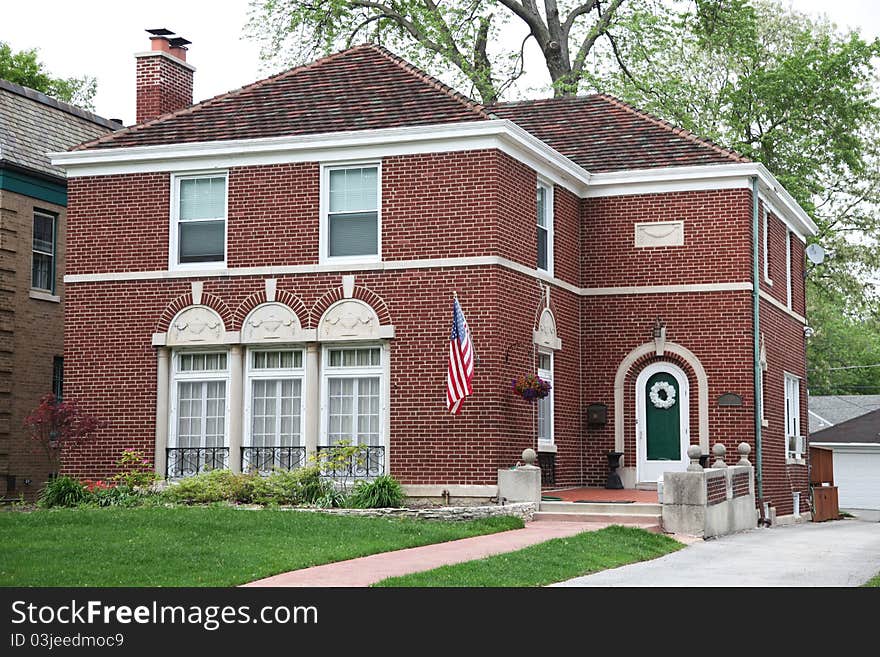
874, 582
545, 563
199, 546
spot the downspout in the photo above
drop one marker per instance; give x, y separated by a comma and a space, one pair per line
756, 288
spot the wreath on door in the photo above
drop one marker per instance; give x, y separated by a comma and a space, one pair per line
668, 392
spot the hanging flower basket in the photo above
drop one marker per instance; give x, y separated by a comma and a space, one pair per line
531, 387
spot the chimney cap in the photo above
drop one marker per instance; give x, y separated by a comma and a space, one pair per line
160, 31
179, 42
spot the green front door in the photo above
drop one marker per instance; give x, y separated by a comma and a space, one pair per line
662, 418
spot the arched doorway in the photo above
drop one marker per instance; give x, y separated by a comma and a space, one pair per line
662, 421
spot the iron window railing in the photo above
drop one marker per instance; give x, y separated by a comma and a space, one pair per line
265, 459
189, 461
369, 461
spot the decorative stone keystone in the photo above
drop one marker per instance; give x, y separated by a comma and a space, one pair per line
529, 457
693, 453
743, 449
719, 451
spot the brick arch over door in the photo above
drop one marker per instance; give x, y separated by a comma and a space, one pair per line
681, 353
360, 293
281, 296
213, 302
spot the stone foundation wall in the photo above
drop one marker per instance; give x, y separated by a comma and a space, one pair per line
523, 510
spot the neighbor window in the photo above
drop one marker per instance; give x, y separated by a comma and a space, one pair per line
545, 405
545, 227
199, 219
43, 263
274, 409
794, 439
58, 377
351, 201
199, 408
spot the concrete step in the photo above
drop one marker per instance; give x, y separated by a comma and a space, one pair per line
613, 518
631, 509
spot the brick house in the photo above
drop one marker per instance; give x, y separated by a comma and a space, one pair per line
290, 250
33, 200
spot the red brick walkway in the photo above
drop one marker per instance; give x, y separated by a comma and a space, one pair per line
368, 570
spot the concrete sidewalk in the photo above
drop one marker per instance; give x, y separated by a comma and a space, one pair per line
369, 570
839, 553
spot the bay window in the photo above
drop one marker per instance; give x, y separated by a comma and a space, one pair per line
274, 410
198, 413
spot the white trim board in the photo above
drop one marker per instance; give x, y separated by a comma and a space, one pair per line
392, 265
500, 134
781, 306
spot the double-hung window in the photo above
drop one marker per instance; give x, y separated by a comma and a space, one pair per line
352, 401
351, 222
274, 408
545, 227
198, 220
545, 405
43, 247
199, 413
794, 440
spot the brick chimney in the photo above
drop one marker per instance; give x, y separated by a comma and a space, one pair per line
164, 79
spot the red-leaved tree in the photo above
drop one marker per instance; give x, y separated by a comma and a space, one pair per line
54, 424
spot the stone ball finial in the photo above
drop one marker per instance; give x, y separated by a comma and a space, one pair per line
719, 451
744, 449
694, 453
529, 456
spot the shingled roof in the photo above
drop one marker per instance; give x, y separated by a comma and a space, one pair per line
602, 133
361, 88
33, 124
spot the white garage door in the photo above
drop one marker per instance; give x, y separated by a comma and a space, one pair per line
857, 475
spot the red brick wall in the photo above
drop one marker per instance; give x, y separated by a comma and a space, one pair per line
717, 239
163, 86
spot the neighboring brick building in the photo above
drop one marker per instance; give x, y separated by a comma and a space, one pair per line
299, 291
33, 199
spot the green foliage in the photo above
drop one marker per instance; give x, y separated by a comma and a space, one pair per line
199, 546
24, 68
465, 39
546, 563
123, 496
135, 470
62, 491
379, 493
798, 95
303, 486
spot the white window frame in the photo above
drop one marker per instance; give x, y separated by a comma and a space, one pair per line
197, 377
252, 374
54, 255
381, 371
549, 216
324, 203
792, 401
788, 268
767, 278
173, 254
547, 375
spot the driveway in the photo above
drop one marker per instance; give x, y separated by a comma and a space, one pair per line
839, 553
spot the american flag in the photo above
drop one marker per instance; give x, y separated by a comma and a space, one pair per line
461, 361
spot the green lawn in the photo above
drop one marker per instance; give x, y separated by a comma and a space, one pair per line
546, 563
199, 546
874, 582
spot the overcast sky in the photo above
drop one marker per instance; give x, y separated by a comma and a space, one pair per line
100, 37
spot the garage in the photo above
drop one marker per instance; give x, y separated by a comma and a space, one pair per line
856, 447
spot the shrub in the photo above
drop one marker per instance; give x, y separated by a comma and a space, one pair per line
382, 492
313, 488
135, 470
62, 491
212, 486
123, 496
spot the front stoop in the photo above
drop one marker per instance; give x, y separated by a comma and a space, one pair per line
637, 514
